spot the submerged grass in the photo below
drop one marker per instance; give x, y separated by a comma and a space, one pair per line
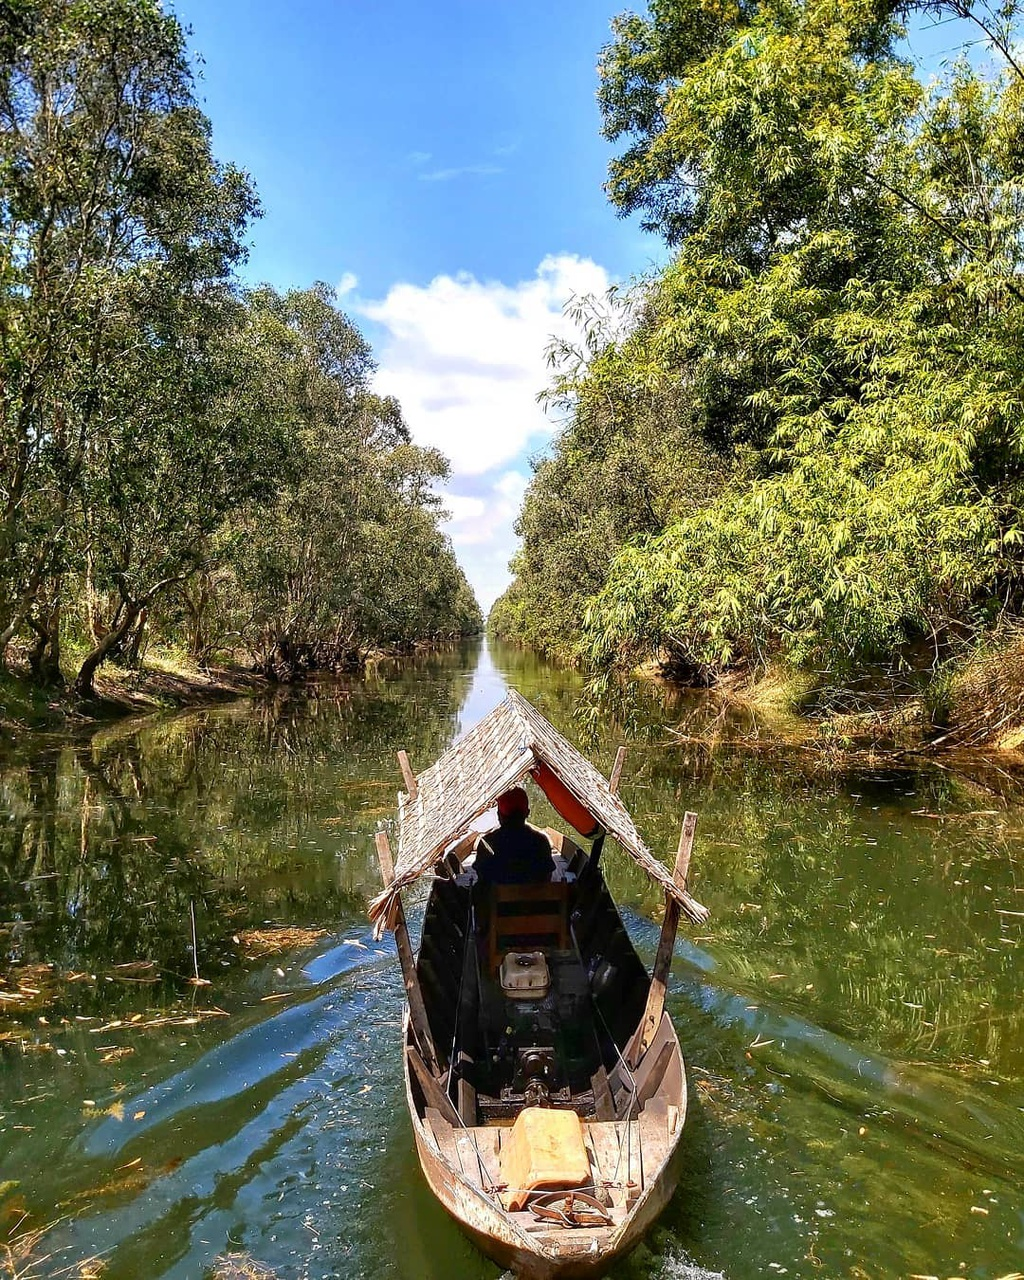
240, 1266
257, 943
26, 1252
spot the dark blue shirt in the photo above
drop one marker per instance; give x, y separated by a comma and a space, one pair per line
519, 854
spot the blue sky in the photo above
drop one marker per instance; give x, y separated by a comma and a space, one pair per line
441, 164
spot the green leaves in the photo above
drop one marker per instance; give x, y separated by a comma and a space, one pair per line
347, 553
149, 415
840, 326
749, 122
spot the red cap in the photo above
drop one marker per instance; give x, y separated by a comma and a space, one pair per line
514, 803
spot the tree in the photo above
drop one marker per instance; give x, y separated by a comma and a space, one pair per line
626, 460
840, 324
118, 236
192, 442
349, 553
165, 442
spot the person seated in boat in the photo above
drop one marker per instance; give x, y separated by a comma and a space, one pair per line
514, 852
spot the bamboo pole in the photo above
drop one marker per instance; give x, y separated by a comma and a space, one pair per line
430, 1086
651, 1020
408, 777
613, 781
414, 995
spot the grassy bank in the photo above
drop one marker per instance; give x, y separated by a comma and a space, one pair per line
167, 679
973, 703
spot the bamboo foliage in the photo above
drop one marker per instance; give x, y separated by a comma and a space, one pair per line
831, 358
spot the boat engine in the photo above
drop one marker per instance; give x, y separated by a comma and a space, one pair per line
535, 1073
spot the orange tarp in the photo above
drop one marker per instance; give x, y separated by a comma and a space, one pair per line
563, 801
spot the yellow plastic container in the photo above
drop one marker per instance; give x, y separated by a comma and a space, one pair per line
543, 1152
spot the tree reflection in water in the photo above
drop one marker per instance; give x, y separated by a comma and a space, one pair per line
260, 812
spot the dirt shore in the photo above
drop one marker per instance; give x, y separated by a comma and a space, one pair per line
160, 684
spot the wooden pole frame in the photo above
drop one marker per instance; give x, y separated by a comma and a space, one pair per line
616, 774
651, 1021
408, 777
597, 846
413, 991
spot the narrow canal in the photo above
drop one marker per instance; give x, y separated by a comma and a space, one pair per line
851, 1017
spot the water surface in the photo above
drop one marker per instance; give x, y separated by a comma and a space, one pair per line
851, 1016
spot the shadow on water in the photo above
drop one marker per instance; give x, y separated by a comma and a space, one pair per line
851, 1018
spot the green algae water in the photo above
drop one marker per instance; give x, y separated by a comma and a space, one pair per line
199, 1038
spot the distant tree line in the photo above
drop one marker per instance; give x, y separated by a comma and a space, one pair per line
803, 439
180, 457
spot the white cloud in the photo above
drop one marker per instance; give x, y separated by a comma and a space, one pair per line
460, 171
463, 510
481, 530
473, 521
348, 282
465, 358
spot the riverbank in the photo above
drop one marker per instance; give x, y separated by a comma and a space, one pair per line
976, 706
166, 680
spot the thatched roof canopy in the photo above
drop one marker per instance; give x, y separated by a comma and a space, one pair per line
497, 753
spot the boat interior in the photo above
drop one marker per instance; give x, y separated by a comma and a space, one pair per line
533, 994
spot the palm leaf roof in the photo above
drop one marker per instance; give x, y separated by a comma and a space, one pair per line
497, 753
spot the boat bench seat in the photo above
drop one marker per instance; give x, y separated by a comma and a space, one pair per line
527, 917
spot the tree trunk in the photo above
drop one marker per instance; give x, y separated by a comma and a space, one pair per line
44, 656
83, 685
128, 612
35, 654
133, 658
16, 617
90, 599
50, 671
196, 606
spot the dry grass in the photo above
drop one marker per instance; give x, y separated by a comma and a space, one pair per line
37, 989
987, 695
257, 943
240, 1266
28, 987
27, 1255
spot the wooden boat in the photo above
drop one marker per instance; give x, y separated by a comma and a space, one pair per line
547, 1107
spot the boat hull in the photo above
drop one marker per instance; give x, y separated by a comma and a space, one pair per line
549, 1255
591, 1037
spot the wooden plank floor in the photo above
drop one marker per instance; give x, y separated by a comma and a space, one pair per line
622, 1154
478, 1150
615, 1149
